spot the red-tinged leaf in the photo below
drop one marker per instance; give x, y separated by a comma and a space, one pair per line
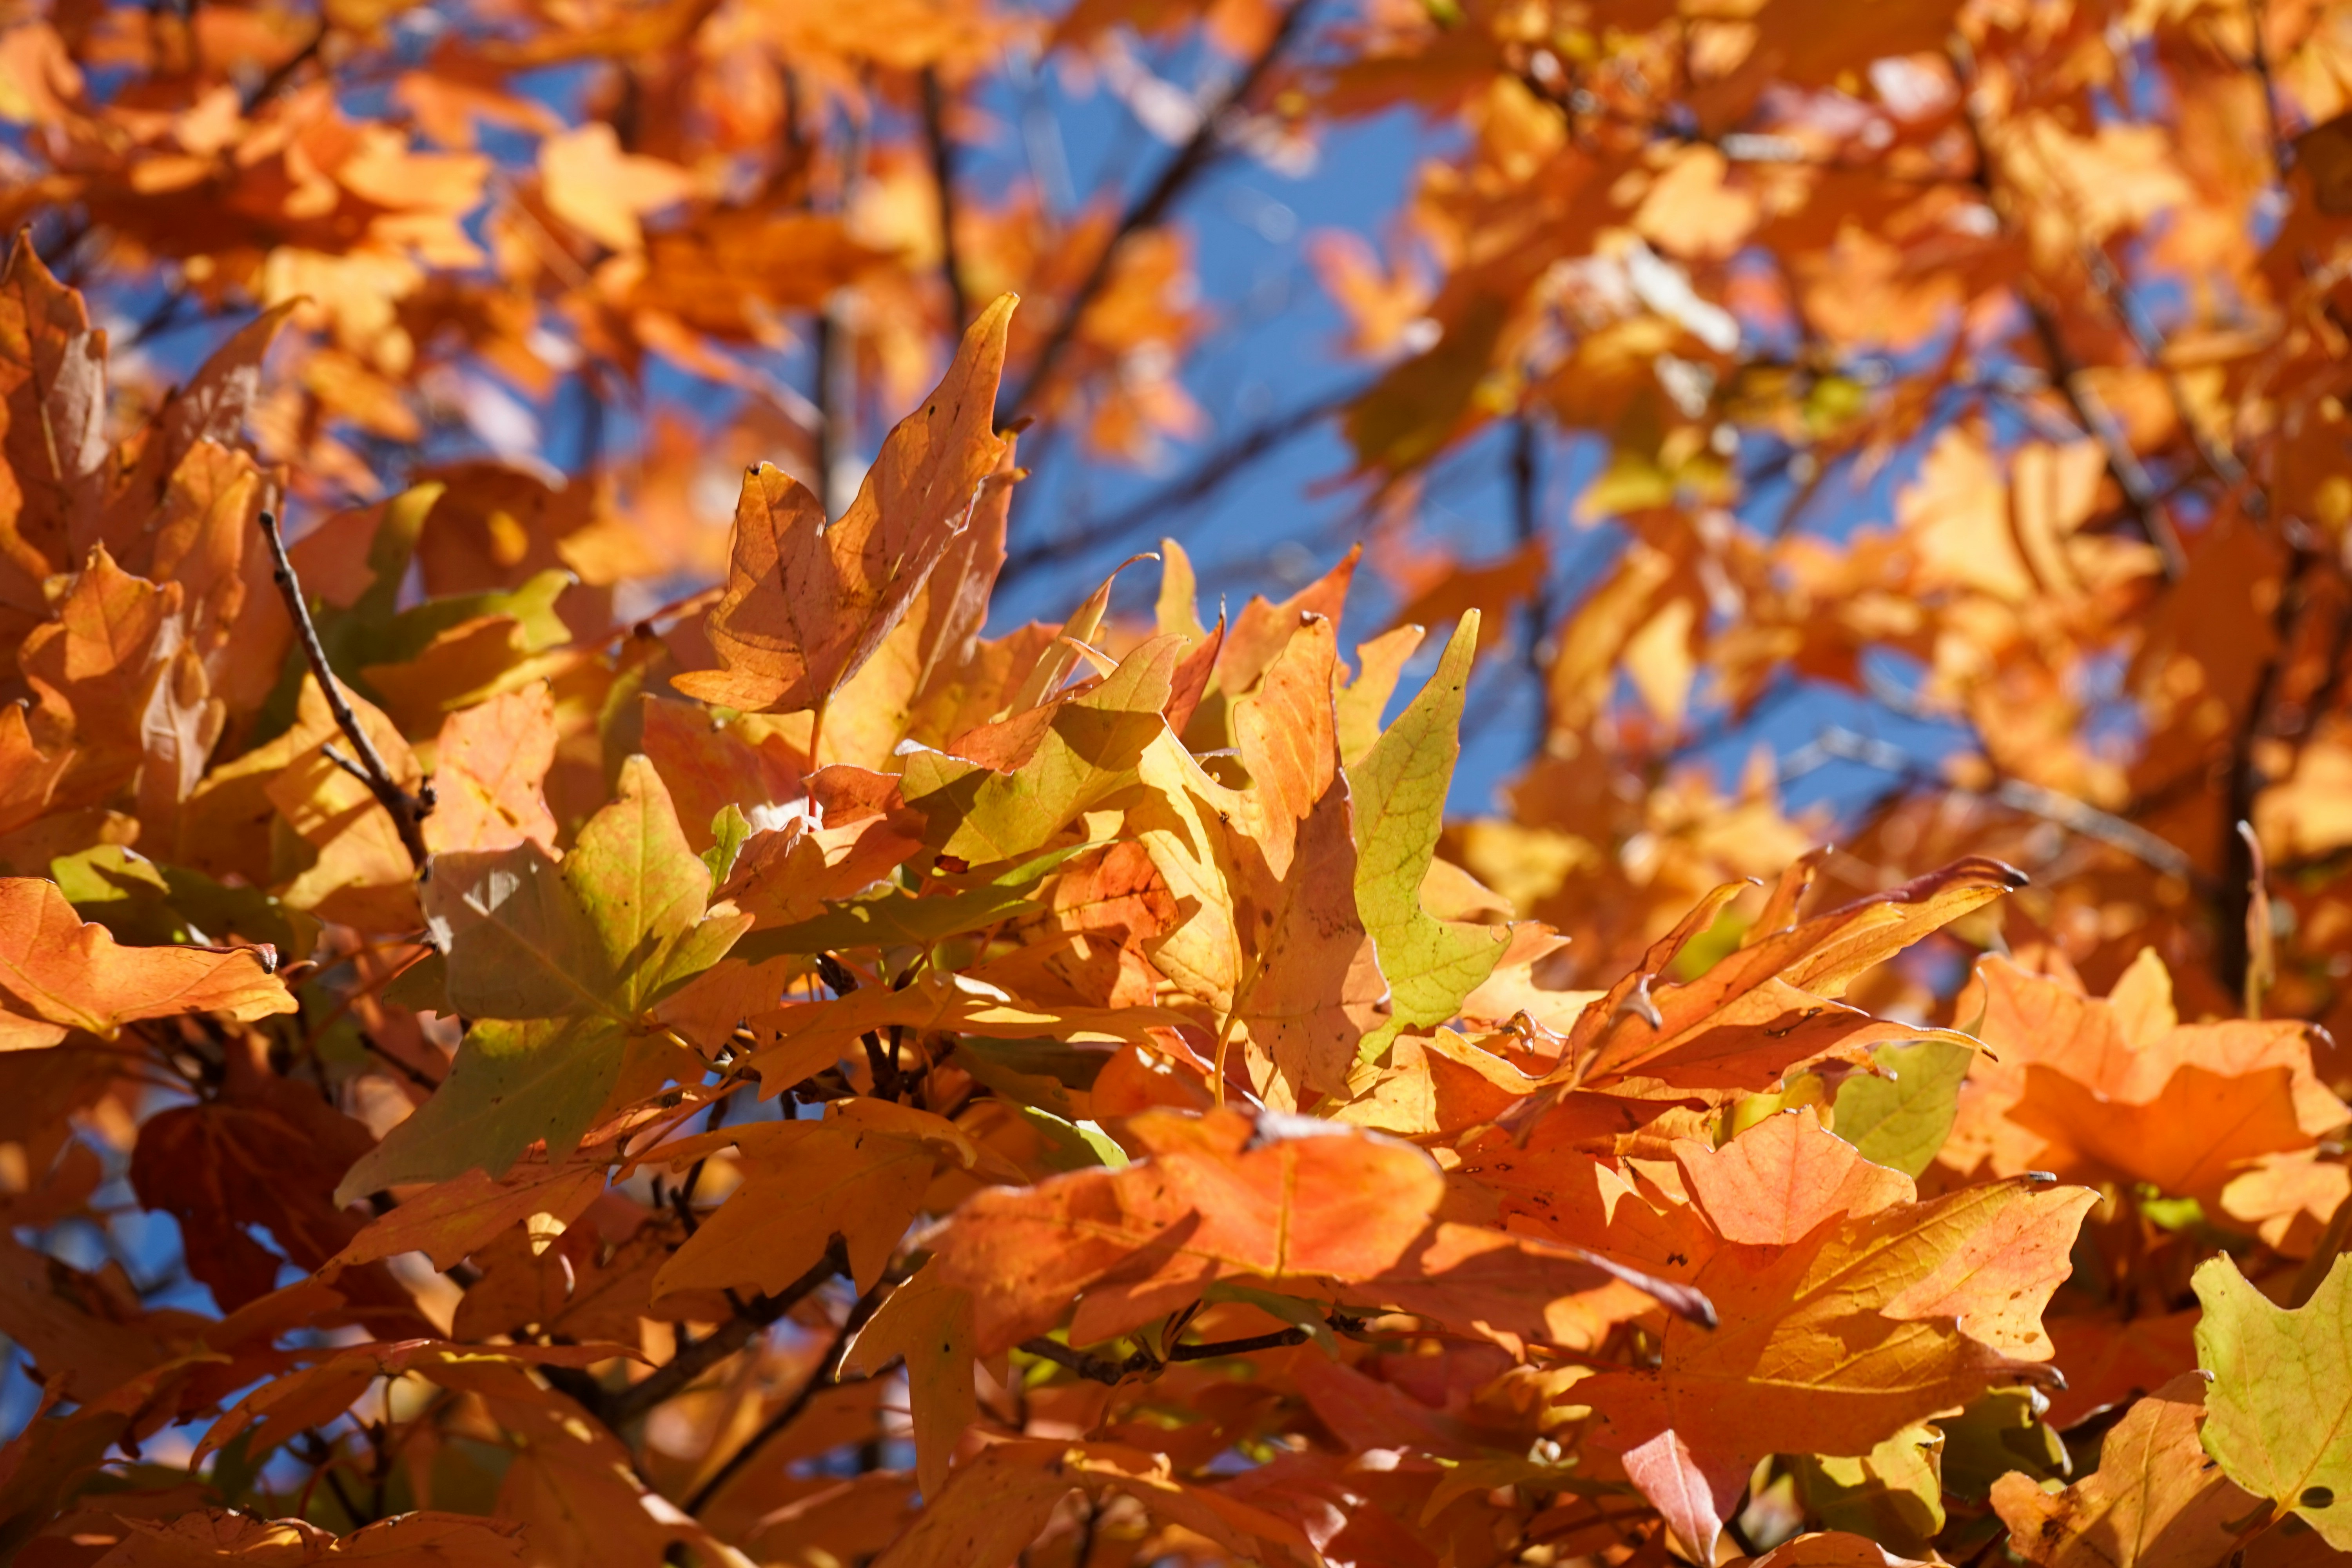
807, 602
56, 970
264, 1154
1218, 1196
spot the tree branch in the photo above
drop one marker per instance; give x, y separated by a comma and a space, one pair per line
1194, 157
942, 151
1102, 1369
827, 1375
407, 811
1210, 472
683, 1368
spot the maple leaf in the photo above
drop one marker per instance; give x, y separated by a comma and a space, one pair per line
808, 603
2153, 1503
219, 1535
489, 773
928, 1325
59, 973
562, 965
859, 1175
2276, 1416
1770, 1004
1846, 1310
2088, 1087
1218, 1196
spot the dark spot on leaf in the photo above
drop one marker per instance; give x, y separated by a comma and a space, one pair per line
2316, 1496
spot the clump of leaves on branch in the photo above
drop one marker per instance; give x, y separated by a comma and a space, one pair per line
783, 1075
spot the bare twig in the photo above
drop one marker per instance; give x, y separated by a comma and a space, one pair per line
683, 1368
942, 149
1211, 471
1526, 522
882, 1061
2077, 817
407, 810
1194, 157
827, 1375
270, 86
1102, 1369
2123, 464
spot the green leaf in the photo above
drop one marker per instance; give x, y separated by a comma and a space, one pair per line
558, 965
1089, 750
729, 829
519, 946
1894, 1494
1398, 790
618, 925
1073, 1145
2278, 1417
645, 891
512, 1085
899, 919
149, 904
1901, 1118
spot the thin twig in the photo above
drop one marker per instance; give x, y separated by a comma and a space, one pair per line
270, 86
2075, 816
1195, 156
882, 1061
1526, 522
1211, 471
407, 810
683, 1368
942, 149
827, 1375
1102, 1369
2123, 464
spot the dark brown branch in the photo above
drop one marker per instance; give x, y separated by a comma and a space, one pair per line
943, 159
1191, 160
672, 1377
827, 1375
882, 1061
1526, 522
1211, 471
407, 811
270, 86
1102, 1369
2123, 464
